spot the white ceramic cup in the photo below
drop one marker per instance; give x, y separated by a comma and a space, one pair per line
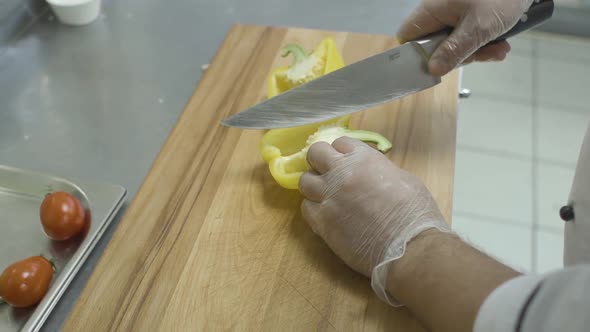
75, 12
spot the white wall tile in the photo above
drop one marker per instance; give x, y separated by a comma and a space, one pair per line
563, 48
521, 44
563, 84
494, 124
553, 187
493, 186
510, 78
560, 134
549, 251
572, 3
508, 243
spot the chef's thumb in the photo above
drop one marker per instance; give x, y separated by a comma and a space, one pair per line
460, 44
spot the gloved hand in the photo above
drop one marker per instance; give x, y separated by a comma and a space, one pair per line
365, 207
476, 23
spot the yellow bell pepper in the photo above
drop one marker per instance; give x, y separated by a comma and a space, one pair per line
306, 67
285, 150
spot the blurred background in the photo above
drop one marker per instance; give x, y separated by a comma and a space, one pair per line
112, 90
519, 136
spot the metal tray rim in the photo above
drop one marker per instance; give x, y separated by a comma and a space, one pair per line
104, 201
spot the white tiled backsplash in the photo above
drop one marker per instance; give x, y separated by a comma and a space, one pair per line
518, 140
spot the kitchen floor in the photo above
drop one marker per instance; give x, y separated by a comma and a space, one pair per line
519, 136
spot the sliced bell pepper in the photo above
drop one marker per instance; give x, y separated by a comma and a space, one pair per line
285, 150
306, 67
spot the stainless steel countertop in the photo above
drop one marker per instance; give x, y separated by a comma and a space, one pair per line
97, 102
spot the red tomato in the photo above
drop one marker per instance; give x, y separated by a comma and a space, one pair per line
62, 216
25, 282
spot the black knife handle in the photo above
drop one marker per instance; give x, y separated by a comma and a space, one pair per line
539, 12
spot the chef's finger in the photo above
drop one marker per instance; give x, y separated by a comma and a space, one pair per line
312, 186
493, 52
311, 212
420, 23
321, 156
347, 145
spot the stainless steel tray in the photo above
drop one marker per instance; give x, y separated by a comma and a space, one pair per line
21, 234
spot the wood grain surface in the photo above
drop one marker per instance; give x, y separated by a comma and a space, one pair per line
211, 243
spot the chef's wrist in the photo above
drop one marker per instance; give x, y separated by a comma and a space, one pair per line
396, 251
420, 247
443, 280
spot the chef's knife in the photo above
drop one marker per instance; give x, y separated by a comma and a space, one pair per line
373, 81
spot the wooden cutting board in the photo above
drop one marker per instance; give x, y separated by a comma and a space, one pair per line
211, 243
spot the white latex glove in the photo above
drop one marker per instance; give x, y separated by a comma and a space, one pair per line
476, 22
365, 207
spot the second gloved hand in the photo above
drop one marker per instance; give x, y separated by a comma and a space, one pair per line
365, 207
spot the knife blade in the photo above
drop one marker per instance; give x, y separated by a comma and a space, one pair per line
378, 79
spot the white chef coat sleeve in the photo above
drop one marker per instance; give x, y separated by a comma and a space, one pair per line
558, 301
577, 231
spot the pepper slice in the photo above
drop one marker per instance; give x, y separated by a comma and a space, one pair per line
306, 67
285, 150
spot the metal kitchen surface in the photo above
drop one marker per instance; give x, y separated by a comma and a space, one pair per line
22, 236
96, 102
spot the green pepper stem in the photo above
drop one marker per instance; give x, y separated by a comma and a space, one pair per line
383, 144
51, 261
298, 52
